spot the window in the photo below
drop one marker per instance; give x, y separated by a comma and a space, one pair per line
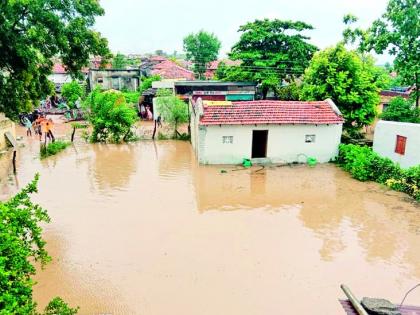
310, 138
115, 82
227, 139
384, 107
400, 145
100, 80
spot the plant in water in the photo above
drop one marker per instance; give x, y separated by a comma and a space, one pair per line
173, 110
110, 115
52, 148
21, 245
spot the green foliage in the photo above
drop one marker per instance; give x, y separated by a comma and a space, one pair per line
132, 97
173, 110
289, 92
400, 109
53, 148
58, 307
201, 48
270, 51
119, 61
396, 32
21, 245
31, 34
352, 82
364, 164
147, 82
72, 92
110, 116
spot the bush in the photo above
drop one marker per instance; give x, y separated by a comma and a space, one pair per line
110, 116
364, 164
400, 109
52, 148
132, 97
72, 91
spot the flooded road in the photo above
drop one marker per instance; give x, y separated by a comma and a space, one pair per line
142, 229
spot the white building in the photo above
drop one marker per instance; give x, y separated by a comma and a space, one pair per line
266, 131
398, 141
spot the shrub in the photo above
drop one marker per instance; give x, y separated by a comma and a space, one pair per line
52, 148
147, 82
110, 116
400, 109
72, 91
364, 164
132, 97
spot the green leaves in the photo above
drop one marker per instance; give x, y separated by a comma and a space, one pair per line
270, 52
351, 81
173, 110
110, 116
201, 48
72, 92
401, 110
31, 34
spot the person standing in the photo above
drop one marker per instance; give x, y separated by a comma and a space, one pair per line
49, 127
28, 126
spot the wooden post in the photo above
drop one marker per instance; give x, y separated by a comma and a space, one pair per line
154, 130
354, 301
14, 161
72, 135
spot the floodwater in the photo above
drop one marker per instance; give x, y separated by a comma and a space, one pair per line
143, 229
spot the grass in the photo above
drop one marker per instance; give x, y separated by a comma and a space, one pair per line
53, 148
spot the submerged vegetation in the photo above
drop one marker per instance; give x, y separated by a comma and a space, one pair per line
364, 164
52, 148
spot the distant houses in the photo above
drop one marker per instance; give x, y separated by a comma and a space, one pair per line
265, 131
116, 79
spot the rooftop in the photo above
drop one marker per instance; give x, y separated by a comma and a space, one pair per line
213, 83
271, 112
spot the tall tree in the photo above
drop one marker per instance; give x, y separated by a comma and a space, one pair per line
396, 32
270, 51
119, 61
353, 82
201, 48
31, 34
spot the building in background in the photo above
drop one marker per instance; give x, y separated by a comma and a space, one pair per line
398, 141
266, 131
388, 95
60, 76
216, 90
116, 79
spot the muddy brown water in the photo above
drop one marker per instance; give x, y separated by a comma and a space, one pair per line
143, 229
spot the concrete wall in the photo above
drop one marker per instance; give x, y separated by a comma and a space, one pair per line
5, 126
385, 138
114, 79
286, 143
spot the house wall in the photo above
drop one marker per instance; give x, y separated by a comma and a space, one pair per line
286, 143
385, 138
5, 126
114, 79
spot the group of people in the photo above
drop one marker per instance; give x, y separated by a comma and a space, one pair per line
145, 112
41, 126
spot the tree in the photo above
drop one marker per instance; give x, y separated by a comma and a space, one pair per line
400, 109
31, 34
201, 48
21, 246
398, 33
110, 116
119, 61
271, 51
173, 110
72, 91
352, 82
147, 82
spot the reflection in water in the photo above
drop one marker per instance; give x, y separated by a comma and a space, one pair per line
142, 229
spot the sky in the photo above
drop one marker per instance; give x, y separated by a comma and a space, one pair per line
139, 26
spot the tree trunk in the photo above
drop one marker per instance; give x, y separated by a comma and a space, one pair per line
154, 130
72, 135
264, 92
417, 91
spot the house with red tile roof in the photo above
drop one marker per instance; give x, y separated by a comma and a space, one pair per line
59, 75
265, 131
212, 67
167, 69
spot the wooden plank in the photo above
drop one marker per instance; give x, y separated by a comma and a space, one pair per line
404, 310
11, 139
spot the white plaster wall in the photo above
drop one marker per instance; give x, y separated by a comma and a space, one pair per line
60, 78
286, 143
385, 139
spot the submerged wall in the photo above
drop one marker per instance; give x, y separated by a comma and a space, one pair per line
5, 126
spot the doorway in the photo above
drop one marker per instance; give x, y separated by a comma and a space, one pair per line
259, 143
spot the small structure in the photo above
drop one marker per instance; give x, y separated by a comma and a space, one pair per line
117, 79
60, 76
6, 126
216, 90
266, 131
398, 141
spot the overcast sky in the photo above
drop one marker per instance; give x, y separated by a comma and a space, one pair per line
140, 26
